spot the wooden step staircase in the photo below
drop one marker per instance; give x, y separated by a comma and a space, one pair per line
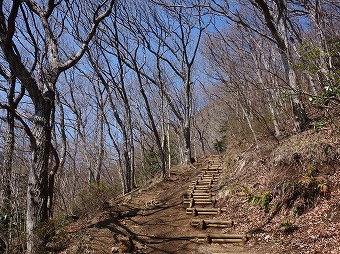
200, 201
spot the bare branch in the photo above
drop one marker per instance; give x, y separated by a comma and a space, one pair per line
74, 60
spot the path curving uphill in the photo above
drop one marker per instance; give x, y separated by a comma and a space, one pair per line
172, 216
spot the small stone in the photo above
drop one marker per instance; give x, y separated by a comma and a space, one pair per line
114, 249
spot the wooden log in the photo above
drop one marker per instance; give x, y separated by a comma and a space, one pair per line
214, 177
203, 175
198, 195
198, 200
212, 172
220, 225
206, 177
201, 191
214, 168
204, 211
204, 180
214, 165
197, 182
194, 182
207, 188
212, 223
202, 196
194, 190
201, 187
223, 238
187, 201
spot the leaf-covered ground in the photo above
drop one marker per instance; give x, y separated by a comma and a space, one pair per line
285, 196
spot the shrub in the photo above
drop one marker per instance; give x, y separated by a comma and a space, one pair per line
93, 197
219, 146
262, 200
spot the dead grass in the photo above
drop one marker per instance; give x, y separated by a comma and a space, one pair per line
301, 216
302, 175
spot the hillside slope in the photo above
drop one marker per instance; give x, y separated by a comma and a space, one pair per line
286, 197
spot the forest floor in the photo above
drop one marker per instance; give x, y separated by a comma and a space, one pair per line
154, 220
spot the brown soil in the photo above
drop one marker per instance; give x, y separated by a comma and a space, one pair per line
154, 218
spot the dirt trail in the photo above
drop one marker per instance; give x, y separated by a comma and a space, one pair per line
156, 221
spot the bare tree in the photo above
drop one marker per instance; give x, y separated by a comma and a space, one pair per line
113, 79
171, 36
274, 15
39, 39
6, 203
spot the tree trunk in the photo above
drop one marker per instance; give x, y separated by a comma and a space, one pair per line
187, 145
274, 118
127, 170
280, 33
101, 148
131, 145
186, 129
300, 116
168, 141
37, 192
153, 124
6, 178
7, 163
247, 116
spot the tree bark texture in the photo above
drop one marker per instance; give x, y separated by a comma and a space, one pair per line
7, 163
280, 34
37, 191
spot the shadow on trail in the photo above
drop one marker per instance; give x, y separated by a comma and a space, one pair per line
157, 244
159, 208
154, 244
114, 223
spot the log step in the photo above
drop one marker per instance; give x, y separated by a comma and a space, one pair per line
199, 191
206, 179
197, 200
201, 187
222, 238
197, 187
211, 175
204, 211
211, 172
203, 224
193, 202
197, 182
197, 195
